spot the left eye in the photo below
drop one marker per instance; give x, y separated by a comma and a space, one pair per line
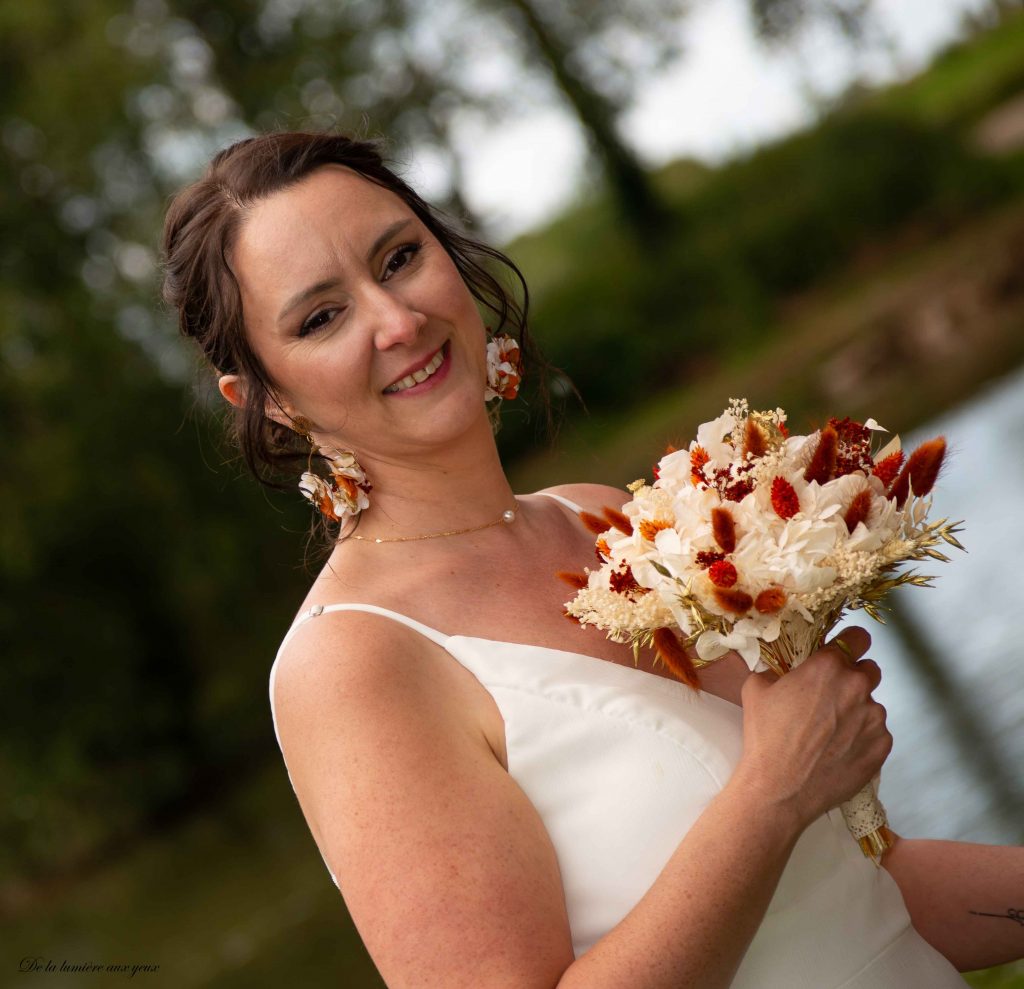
401, 259
316, 322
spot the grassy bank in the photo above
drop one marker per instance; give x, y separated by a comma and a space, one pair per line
237, 899
902, 340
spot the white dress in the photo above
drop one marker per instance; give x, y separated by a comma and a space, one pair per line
619, 764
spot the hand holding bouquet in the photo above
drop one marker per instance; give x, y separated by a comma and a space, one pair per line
756, 541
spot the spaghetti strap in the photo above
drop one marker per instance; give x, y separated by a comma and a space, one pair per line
322, 609
571, 505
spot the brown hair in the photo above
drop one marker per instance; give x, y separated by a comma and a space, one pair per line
200, 228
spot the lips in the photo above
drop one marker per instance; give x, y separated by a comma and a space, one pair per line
420, 374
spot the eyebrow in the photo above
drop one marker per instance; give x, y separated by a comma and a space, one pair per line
307, 293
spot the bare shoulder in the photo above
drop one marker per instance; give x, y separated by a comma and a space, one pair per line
591, 497
444, 864
349, 679
349, 676
347, 657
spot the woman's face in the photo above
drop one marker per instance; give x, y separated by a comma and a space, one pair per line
359, 316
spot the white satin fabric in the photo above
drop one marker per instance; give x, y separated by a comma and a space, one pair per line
620, 763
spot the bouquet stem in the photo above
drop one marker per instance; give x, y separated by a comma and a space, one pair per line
866, 820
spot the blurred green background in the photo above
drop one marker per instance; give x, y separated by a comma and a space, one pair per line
871, 263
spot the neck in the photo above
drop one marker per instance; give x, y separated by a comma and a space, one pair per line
453, 488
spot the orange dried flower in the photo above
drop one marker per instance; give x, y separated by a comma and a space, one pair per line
649, 528
724, 528
888, 467
577, 580
603, 549
598, 526
618, 520
823, 463
920, 470
858, 510
698, 458
675, 657
770, 600
754, 442
925, 463
327, 507
900, 487
785, 500
722, 573
738, 602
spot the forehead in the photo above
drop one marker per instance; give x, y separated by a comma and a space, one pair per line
329, 215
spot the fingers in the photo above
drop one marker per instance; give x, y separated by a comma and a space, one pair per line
850, 644
871, 670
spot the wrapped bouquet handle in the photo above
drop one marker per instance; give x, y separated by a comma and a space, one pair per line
756, 541
866, 820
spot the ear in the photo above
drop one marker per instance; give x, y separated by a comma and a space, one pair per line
232, 389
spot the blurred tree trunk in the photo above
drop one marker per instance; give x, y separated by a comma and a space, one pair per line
637, 200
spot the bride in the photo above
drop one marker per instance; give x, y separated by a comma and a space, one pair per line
502, 797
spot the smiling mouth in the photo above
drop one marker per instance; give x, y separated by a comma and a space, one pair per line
418, 377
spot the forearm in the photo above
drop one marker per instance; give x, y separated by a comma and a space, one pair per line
693, 926
966, 900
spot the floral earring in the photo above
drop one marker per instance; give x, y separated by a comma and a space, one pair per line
344, 494
504, 367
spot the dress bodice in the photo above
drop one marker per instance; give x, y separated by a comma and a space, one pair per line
619, 763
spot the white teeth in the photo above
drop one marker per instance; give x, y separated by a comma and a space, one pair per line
417, 376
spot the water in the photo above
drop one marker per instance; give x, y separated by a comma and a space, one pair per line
973, 620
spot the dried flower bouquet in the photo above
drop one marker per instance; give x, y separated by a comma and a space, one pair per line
758, 542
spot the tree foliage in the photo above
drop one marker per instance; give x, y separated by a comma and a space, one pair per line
131, 604
143, 586
779, 22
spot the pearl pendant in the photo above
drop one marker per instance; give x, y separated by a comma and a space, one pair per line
508, 516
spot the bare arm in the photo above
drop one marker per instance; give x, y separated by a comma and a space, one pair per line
966, 900
447, 869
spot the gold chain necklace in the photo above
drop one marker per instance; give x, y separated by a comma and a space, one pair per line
508, 517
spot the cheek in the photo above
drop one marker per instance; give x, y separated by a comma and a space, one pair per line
322, 378
455, 295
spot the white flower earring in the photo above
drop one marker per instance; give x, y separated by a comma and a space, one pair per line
504, 367
344, 494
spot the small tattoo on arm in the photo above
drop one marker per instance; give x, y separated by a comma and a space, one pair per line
1013, 914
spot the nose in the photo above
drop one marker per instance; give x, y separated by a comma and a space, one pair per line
395, 321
